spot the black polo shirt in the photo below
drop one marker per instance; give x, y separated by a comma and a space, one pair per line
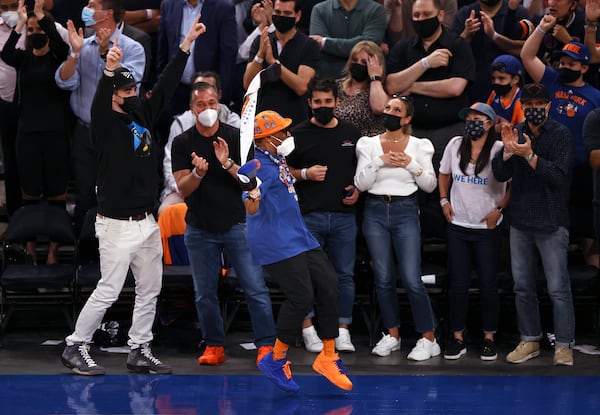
431, 112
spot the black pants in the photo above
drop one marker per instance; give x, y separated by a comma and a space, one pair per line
306, 279
8, 138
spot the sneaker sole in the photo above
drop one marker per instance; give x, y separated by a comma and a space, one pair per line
146, 370
346, 349
489, 358
455, 356
435, 352
393, 349
75, 370
525, 358
217, 363
563, 363
323, 373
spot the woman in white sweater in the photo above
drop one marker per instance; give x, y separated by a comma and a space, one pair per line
391, 167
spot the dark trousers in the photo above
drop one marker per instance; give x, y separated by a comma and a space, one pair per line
306, 279
482, 247
85, 169
8, 137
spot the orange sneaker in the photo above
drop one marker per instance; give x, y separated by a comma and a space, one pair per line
213, 355
262, 352
333, 369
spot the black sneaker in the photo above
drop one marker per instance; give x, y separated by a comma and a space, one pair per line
141, 360
455, 348
78, 359
488, 350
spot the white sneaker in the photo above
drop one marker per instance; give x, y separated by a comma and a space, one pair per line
386, 345
343, 343
312, 343
424, 350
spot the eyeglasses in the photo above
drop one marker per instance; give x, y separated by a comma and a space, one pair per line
11, 6
403, 97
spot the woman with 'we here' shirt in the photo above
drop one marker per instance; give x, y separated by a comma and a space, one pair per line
472, 201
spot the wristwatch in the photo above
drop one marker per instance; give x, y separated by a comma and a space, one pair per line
375, 78
531, 156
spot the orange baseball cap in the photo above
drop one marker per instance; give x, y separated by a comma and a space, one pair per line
268, 122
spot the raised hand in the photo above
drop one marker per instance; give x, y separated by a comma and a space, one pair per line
547, 23
22, 12
221, 150
114, 55
38, 9
200, 164
196, 29
488, 24
103, 39
592, 10
374, 68
472, 25
75, 37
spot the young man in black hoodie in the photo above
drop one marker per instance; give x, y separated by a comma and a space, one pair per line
127, 190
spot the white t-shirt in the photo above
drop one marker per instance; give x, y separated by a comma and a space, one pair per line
472, 197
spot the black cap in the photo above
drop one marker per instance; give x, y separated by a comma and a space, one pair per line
534, 91
123, 78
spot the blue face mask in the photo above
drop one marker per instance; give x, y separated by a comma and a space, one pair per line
87, 16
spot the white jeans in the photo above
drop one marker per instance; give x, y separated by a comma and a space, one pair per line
124, 244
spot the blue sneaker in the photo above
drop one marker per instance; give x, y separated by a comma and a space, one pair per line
278, 372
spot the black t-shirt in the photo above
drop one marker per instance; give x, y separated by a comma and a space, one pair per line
331, 147
277, 96
591, 139
216, 205
431, 112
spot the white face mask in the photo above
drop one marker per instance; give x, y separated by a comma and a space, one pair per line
208, 117
11, 18
286, 147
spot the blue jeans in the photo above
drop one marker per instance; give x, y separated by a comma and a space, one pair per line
205, 249
393, 228
526, 247
336, 233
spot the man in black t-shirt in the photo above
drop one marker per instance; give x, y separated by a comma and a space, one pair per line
205, 161
324, 163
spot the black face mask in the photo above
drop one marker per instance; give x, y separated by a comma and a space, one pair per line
131, 104
37, 40
283, 24
501, 90
391, 122
358, 72
323, 114
474, 129
535, 115
426, 28
566, 75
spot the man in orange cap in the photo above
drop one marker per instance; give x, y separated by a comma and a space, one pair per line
281, 243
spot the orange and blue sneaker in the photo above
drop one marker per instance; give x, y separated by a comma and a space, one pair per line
278, 372
213, 356
262, 352
333, 369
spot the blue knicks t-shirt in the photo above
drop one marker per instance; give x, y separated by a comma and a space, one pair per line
570, 105
277, 231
